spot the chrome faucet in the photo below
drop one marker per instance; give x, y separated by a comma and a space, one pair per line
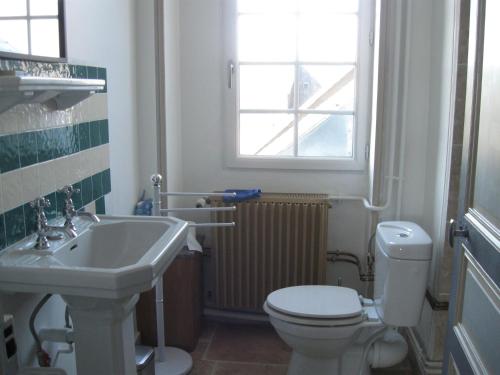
69, 211
43, 229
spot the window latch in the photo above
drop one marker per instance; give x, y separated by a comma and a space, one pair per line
230, 68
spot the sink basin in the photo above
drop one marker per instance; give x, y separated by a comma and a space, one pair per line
118, 257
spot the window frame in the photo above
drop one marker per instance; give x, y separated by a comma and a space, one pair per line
62, 36
362, 108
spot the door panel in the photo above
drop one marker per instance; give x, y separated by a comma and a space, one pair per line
474, 320
480, 303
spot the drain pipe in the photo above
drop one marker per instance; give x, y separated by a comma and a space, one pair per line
388, 351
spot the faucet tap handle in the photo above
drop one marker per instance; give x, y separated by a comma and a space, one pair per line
39, 204
68, 190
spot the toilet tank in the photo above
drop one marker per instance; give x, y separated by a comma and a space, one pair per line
403, 253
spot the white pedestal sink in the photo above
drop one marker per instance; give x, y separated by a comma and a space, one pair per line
99, 274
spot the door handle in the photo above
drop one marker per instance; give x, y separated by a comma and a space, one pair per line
453, 232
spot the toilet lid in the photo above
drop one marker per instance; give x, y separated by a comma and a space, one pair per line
316, 301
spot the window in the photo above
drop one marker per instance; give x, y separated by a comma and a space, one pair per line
32, 27
299, 82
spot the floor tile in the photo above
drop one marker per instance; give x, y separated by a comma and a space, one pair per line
248, 343
223, 368
200, 350
207, 330
201, 367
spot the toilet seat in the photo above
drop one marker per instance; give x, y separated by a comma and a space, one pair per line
315, 305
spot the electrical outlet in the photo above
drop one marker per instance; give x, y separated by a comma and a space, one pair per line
8, 348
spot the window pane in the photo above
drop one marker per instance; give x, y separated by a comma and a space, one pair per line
261, 6
44, 8
266, 134
326, 136
12, 8
266, 87
327, 87
266, 38
325, 6
45, 37
14, 36
327, 38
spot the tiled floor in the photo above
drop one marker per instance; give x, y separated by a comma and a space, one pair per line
241, 349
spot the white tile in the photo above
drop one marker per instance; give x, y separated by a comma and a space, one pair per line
12, 191
30, 183
46, 172
91, 109
26, 117
63, 171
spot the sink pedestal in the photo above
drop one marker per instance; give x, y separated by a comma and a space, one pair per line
104, 334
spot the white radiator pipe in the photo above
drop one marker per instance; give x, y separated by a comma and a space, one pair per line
211, 225
197, 209
190, 194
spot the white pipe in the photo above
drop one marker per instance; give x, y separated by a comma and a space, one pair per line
190, 194
390, 350
160, 322
402, 140
160, 319
211, 225
203, 209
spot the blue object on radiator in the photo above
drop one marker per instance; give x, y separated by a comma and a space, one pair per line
144, 207
242, 194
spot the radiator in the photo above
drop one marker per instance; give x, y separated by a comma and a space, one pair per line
279, 240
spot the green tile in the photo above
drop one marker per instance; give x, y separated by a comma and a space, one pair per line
61, 141
81, 71
91, 72
96, 186
45, 145
9, 153
77, 196
106, 181
27, 149
14, 225
51, 212
84, 135
104, 131
29, 219
60, 203
86, 191
101, 74
72, 141
3, 240
75, 139
95, 134
100, 206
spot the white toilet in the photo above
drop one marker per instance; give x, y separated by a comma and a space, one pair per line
333, 331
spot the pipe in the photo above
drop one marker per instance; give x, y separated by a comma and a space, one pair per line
189, 194
366, 347
160, 319
42, 356
388, 351
402, 140
203, 209
211, 225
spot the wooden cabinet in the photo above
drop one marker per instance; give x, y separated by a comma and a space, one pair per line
183, 304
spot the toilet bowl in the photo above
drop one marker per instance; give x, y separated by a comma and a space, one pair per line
332, 330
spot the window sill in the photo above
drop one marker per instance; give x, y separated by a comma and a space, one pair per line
340, 165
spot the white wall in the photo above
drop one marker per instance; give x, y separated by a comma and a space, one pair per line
99, 33
203, 132
146, 91
173, 119
102, 33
